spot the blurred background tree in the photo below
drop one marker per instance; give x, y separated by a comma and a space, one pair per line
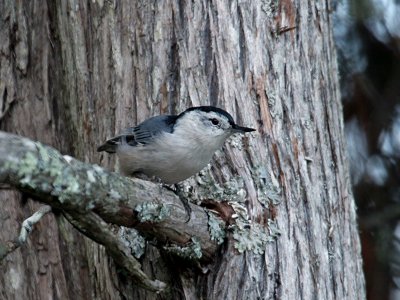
73, 73
367, 35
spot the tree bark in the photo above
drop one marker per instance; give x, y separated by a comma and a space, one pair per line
74, 73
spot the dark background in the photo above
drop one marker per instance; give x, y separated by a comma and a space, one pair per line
367, 36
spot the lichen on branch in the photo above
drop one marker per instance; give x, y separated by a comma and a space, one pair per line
91, 197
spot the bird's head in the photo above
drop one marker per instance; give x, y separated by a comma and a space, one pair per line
211, 124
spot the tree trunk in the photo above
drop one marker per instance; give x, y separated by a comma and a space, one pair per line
73, 73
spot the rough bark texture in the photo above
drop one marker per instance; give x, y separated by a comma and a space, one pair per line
74, 73
78, 189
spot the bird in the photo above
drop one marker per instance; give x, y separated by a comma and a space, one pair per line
173, 147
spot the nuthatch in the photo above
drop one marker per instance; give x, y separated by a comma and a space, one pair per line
171, 147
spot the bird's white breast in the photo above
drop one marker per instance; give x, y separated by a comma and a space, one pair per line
172, 157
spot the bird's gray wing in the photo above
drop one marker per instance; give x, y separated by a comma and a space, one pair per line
140, 134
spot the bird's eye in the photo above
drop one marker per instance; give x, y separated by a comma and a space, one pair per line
214, 121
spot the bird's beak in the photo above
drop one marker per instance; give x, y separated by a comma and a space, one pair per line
240, 129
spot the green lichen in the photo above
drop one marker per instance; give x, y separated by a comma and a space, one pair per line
208, 188
66, 186
47, 162
236, 142
216, 227
91, 176
248, 236
100, 174
115, 195
268, 190
273, 229
191, 252
133, 240
269, 7
24, 168
152, 212
241, 212
27, 166
254, 237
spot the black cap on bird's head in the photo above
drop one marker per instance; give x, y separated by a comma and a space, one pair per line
235, 127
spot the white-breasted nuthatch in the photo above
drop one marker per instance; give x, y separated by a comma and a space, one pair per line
171, 147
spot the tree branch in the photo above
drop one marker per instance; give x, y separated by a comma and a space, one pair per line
88, 194
95, 228
26, 229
